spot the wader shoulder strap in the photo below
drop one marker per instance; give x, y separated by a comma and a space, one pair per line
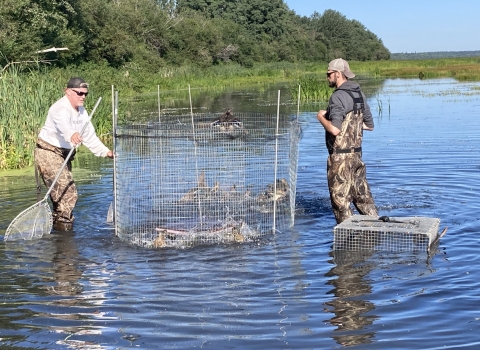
358, 104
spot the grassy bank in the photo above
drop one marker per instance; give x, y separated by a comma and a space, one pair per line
25, 97
463, 69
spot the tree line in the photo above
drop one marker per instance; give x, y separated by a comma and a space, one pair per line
433, 55
148, 34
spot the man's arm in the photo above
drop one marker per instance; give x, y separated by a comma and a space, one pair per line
367, 128
327, 124
367, 116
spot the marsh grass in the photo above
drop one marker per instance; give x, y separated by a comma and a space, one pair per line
463, 69
312, 89
316, 89
24, 102
26, 96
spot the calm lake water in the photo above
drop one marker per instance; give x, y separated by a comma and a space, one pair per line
89, 290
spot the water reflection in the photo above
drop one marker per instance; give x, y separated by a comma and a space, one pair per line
67, 269
355, 303
244, 100
43, 279
55, 260
351, 290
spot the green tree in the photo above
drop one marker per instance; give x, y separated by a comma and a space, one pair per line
121, 32
263, 18
28, 26
347, 38
149, 34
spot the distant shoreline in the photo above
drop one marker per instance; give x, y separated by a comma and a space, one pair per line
433, 55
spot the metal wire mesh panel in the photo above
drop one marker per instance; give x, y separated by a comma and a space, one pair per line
180, 183
361, 232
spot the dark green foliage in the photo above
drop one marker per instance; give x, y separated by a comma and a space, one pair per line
149, 35
348, 39
29, 26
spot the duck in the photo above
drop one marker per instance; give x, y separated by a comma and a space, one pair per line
281, 189
200, 189
238, 237
271, 193
227, 121
204, 192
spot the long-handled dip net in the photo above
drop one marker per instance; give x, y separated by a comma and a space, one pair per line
36, 221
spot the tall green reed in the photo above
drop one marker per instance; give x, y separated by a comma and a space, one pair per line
312, 90
25, 97
24, 102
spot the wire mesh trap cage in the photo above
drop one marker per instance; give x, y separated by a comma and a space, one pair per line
202, 178
361, 232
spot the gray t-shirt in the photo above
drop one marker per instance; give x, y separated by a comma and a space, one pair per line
341, 103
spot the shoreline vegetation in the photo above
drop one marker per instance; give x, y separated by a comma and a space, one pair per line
26, 96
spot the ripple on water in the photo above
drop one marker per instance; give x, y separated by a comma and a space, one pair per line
288, 291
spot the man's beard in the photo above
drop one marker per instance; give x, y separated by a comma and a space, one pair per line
332, 83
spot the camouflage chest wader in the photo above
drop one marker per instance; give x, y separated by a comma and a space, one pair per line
48, 160
346, 172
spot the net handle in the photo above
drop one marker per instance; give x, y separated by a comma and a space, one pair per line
72, 149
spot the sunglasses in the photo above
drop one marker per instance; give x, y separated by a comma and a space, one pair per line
330, 73
80, 93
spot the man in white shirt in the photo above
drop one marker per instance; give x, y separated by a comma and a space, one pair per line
61, 132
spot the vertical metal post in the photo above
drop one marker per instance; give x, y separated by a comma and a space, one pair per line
115, 117
293, 193
159, 110
298, 102
276, 166
195, 148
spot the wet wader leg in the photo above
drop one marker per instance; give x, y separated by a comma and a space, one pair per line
362, 196
64, 193
339, 185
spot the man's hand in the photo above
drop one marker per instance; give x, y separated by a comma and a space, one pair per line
110, 154
76, 139
365, 127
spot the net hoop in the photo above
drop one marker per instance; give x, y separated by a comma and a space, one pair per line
32, 223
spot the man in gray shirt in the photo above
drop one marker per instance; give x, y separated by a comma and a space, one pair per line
347, 115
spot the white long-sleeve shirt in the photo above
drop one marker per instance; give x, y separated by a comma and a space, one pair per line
63, 121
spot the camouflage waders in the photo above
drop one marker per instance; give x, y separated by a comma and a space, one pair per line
64, 194
346, 172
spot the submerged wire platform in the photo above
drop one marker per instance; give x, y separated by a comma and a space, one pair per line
361, 232
190, 179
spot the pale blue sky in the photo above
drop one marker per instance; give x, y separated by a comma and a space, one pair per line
409, 25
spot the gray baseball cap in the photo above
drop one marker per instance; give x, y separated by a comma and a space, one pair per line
340, 65
77, 82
